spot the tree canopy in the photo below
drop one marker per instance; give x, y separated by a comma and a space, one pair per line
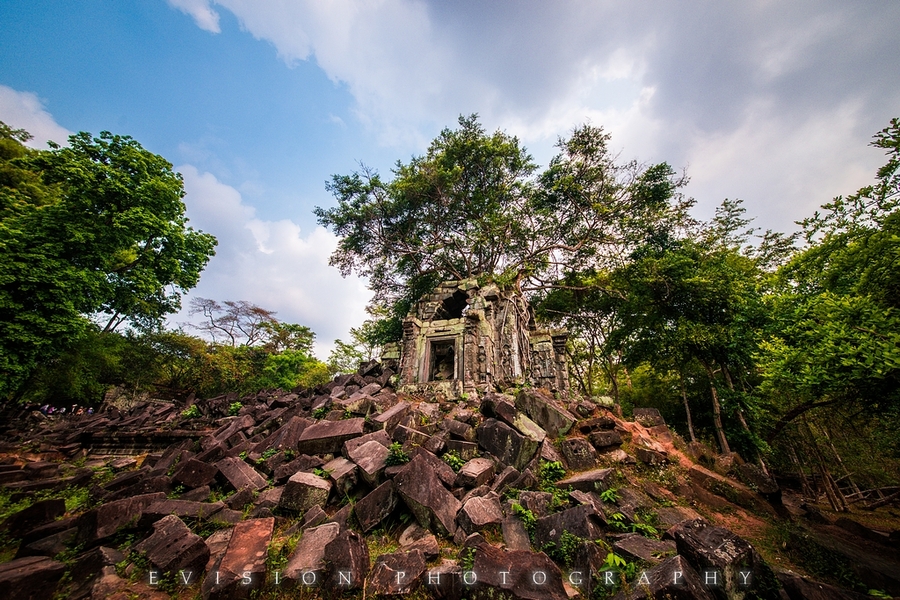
473, 207
94, 230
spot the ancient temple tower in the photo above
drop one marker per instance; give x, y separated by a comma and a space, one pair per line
464, 338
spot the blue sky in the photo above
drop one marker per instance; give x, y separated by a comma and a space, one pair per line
259, 102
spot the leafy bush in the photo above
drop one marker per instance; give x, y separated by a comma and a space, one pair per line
234, 408
191, 412
396, 455
453, 459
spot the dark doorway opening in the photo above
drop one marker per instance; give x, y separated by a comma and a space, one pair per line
442, 365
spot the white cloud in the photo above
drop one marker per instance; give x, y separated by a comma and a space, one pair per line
205, 17
271, 263
24, 110
771, 102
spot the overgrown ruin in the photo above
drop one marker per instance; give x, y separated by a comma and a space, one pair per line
355, 489
465, 338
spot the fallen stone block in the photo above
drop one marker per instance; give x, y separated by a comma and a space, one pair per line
243, 560
521, 574
648, 417
303, 491
240, 475
637, 547
578, 521
506, 444
475, 472
371, 458
342, 474
390, 418
544, 410
480, 512
674, 579
173, 547
379, 436
376, 506
33, 577
306, 566
39, 513
579, 454
104, 521
185, 509
193, 473
737, 565
415, 537
433, 506
398, 573
328, 437
596, 480
605, 439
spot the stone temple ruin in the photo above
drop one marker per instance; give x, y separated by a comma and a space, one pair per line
465, 338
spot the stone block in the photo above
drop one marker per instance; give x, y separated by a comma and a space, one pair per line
306, 566
303, 491
661, 582
433, 506
39, 513
415, 537
596, 480
245, 558
506, 444
342, 473
32, 577
545, 411
173, 547
328, 437
476, 472
605, 439
479, 513
648, 417
637, 547
104, 521
379, 436
193, 473
390, 418
520, 574
579, 454
738, 565
371, 459
398, 573
376, 506
185, 509
578, 521
240, 475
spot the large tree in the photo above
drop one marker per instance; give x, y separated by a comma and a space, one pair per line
473, 207
95, 230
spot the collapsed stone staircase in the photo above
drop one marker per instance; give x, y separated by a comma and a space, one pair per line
352, 488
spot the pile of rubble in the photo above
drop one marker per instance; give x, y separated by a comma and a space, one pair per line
353, 488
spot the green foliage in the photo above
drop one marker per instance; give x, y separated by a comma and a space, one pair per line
396, 455
94, 229
452, 458
191, 412
551, 472
564, 552
528, 518
320, 412
467, 562
234, 408
611, 495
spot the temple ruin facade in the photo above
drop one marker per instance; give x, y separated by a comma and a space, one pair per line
465, 338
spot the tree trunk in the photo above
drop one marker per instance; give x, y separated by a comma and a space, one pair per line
835, 497
687, 409
717, 410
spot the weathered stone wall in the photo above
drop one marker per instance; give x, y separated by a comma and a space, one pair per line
494, 340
